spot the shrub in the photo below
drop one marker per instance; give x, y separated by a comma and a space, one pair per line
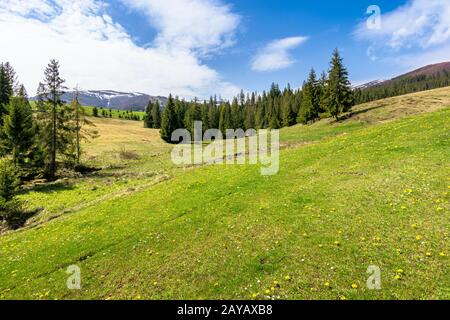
12, 213
8, 179
11, 209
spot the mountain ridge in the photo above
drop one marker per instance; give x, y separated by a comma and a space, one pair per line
111, 99
426, 71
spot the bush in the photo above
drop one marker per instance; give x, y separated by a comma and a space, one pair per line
8, 179
12, 213
11, 209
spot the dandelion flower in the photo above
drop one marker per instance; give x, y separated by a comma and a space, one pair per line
354, 286
287, 278
397, 277
343, 298
442, 254
428, 254
418, 238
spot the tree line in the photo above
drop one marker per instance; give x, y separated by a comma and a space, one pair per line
404, 85
330, 95
36, 140
108, 113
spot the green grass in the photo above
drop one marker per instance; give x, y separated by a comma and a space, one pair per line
347, 196
115, 113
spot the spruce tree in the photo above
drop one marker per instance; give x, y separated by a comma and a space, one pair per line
205, 116
213, 114
339, 95
236, 115
54, 118
321, 93
156, 115
274, 113
194, 113
306, 106
310, 106
261, 114
148, 119
225, 121
18, 131
168, 122
8, 82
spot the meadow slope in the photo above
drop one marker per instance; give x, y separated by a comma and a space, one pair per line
371, 190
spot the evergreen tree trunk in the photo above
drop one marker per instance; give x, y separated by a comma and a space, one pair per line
54, 133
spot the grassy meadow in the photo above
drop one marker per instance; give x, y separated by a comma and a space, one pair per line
372, 189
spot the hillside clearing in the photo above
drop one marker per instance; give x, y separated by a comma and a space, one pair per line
348, 196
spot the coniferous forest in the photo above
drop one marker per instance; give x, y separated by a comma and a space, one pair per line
36, 141
329, 95
403, 85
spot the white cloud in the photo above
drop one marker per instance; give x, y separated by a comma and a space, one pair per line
419, 25
97, 53
201, 25
275, 56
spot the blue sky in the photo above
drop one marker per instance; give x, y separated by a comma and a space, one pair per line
204, 47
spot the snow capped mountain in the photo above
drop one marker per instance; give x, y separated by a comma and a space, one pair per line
369, 84
114, 99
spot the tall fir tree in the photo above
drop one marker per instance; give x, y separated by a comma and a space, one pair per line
213, 114
156, 115
8, 83
236, 113
321, 93
339, 94
18, 131
148, 119
225, 121
310, 106
261, 112
57, 134
194, 113
288, 113
169, 121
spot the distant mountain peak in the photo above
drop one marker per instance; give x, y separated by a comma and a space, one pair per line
112, 99
369, 84
429, 70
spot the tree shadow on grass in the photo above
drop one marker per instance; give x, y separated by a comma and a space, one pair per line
351, 114
48, 187
18, 221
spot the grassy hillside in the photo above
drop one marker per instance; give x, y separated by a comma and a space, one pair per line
370, 190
